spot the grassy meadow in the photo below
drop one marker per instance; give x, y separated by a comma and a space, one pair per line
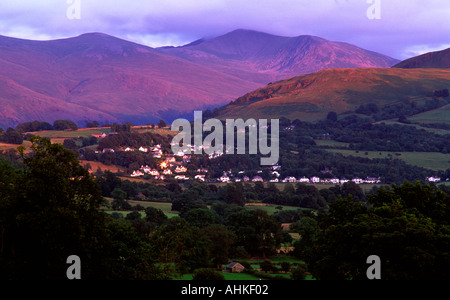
428, 160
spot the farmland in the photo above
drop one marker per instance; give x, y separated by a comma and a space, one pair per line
428, 160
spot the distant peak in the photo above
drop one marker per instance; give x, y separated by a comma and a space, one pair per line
95, 34
247, 31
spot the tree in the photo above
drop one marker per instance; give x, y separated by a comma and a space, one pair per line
208, 274
332, 116
199, 217
407, 226
298, 273
267, 266
93, 124
220, 242
257, 231
179, 243
52, 212
308, 228
64, 124
155, 216
11, 136
119, 202
162, 124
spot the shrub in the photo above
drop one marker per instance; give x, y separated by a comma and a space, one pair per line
208, 274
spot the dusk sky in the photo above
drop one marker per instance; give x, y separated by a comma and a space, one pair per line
399, 28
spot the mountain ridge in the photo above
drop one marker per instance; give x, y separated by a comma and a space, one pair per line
435, 59
96, 76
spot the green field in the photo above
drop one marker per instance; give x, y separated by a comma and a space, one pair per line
418, 126
331, 143
166, 207
440, 115
82, 132
429, 160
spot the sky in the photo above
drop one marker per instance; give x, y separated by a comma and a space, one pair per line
398, 28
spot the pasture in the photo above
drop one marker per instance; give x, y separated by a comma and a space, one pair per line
429, 160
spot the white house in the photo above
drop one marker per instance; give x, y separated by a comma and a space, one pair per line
153, 172
315, 179
334, 180
137, 174
180, 169
372, 180
143, 149
304, 180
170, 159
433, 179
224, 178
358, 180
343, 180
290, 179
181, 177
200, 177
257, 178
167, 172
276, 174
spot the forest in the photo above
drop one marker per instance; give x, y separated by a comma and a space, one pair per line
51, 207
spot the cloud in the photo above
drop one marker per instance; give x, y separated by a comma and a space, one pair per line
403, 27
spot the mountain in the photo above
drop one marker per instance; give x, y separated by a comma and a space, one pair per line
310, 97
262, 57
438, 59
100, 77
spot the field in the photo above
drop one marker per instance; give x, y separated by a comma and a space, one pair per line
166, 207
418, 126
62, 134
429, 160
441, 115
95, 165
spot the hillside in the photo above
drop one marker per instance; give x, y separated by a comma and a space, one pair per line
262, 57
312, 96
99, 77
103, 78
438, 59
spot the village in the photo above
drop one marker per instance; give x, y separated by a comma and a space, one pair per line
171, 167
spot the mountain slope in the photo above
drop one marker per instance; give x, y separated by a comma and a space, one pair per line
99, 77
438, 59
261, 57
312, 96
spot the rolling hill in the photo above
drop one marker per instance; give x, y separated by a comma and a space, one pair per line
437, 59
310, 97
